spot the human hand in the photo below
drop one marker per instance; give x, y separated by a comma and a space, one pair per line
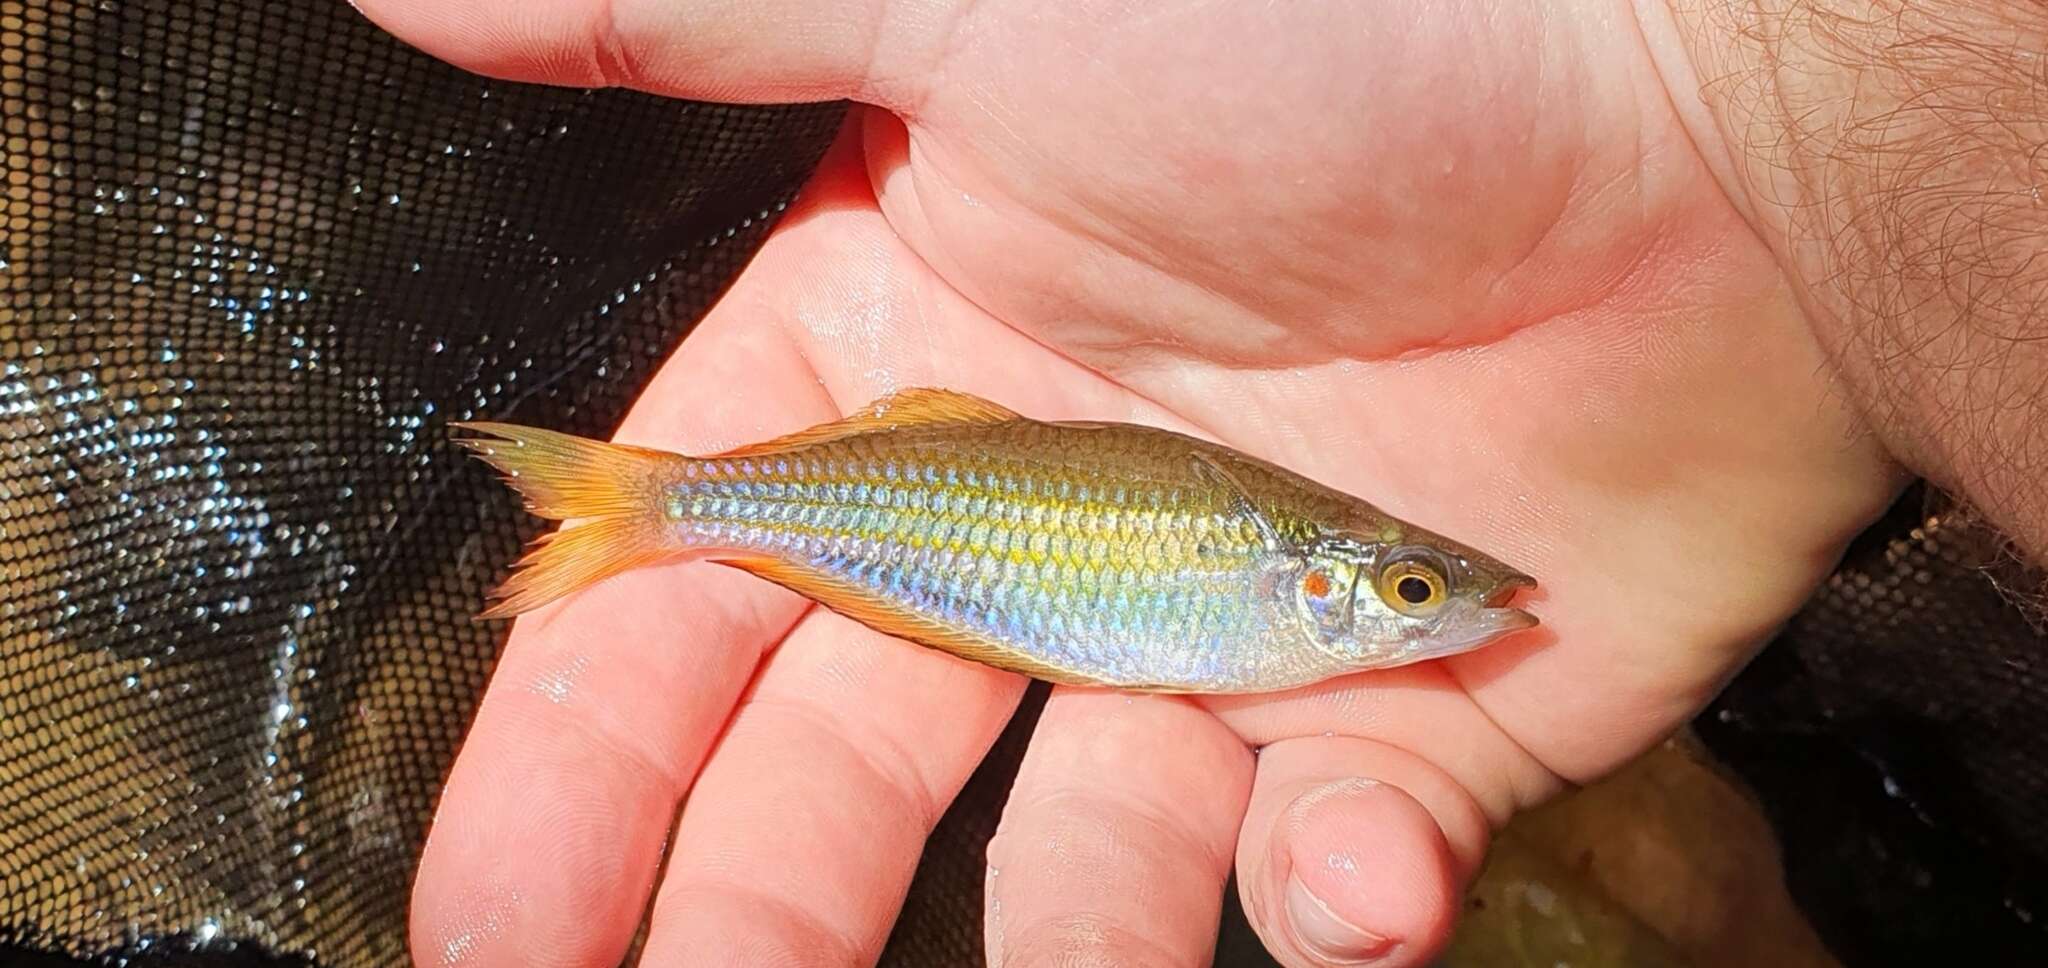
1461, 261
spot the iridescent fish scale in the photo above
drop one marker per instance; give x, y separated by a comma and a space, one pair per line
1042, 554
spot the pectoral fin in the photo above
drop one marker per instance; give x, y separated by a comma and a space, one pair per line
1240, 500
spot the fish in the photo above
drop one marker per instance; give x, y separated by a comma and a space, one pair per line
1083, 553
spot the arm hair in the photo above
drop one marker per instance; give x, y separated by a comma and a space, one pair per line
1895, 155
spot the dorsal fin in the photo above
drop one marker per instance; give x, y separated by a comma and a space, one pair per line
912, 407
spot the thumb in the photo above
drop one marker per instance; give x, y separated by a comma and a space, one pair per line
779, 51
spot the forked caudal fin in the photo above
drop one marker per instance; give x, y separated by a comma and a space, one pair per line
613, 490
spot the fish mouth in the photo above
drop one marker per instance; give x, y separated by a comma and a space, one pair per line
1504, 591
1491, 618
1471, 626
1500, 621
1497, 615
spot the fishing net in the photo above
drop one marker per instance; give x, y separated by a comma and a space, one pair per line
255, 254
1897, 736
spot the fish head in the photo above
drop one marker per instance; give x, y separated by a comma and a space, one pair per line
1378, 604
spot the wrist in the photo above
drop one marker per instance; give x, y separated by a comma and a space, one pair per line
1891, 155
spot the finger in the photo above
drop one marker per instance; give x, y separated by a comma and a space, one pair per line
1419, 708
799, 840
603, 705
758, 51
1354, 852
1116, 841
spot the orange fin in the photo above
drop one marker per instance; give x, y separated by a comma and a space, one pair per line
574, 558
614, 488
913, 407
890, 618
564, 476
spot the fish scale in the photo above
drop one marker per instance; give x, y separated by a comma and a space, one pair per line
1048, 531
1092, 553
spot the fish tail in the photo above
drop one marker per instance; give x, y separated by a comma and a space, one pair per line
611, 491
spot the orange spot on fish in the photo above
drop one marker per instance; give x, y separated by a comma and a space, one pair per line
1316, 584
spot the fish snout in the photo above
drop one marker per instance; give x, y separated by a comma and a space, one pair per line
1507, 587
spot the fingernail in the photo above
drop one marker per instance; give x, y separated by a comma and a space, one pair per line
1326, 935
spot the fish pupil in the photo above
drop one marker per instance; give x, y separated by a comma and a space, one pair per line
1412, 590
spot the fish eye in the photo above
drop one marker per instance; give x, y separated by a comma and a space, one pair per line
1412, 587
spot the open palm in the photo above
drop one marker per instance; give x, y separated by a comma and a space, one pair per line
1460, 261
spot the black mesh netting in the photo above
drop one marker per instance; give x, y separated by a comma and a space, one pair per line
256, 254
1897, 734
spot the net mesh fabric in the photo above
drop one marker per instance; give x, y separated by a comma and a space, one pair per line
1897, 737
255, 255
